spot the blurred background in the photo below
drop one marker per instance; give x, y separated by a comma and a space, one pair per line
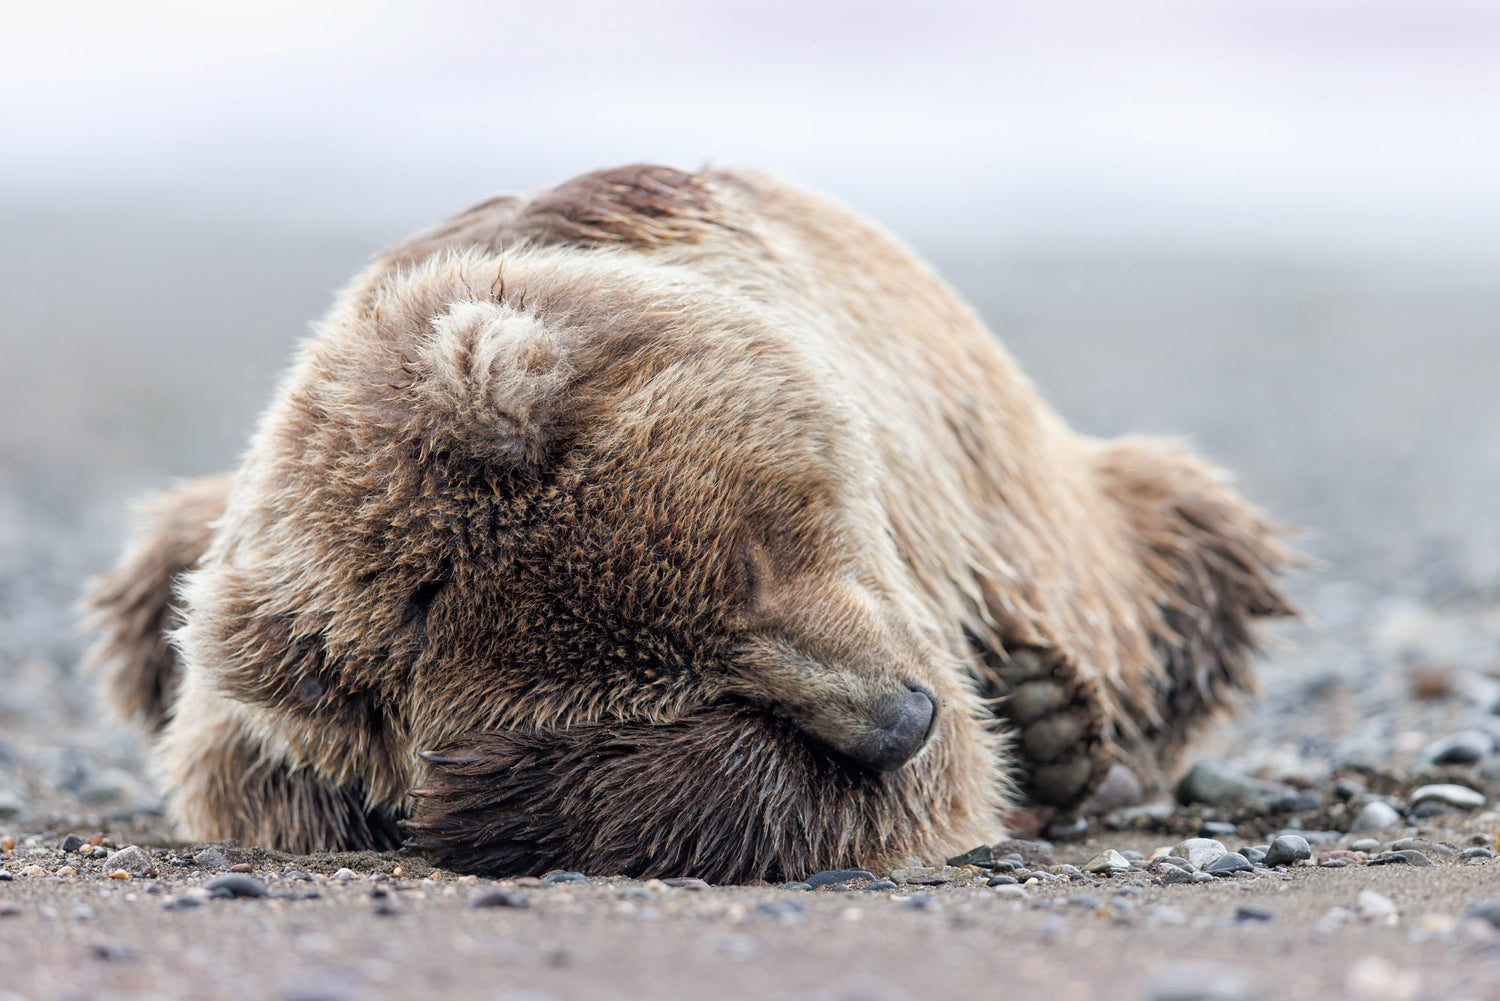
1269, 226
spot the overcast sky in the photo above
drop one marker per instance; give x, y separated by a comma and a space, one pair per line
1350, 126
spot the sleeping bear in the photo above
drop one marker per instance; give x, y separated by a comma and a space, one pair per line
671, 523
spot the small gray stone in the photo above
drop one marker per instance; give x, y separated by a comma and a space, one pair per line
212, 858
1108, 863
1478, 851
687, 883
983, 856
831, 876
1375, 816
235, 884
563, 877
1198, 982
1001, 879
1120, 788
1228, 864
1247, 915
72, 843
1371, 906
1410, 856
1453, 795
1466, 747
1255, 853
1213, 784
795, 885
1287, 850
1366, 845
1172, 874
885, 884
499, 897
1486, 910
132, 860
1200, 852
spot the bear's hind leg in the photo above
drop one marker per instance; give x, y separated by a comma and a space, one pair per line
131, 606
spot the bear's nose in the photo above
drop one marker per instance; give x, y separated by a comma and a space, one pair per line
900, 727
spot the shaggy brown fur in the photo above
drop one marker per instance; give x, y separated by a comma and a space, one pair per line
647, 503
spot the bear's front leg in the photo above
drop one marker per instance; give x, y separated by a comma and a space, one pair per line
1059, 725
228, 785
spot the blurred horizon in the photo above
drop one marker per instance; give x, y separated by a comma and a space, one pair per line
1325, 130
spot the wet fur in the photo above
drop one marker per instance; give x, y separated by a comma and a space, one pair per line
573, 490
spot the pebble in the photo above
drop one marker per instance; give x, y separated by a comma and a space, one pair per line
1002, 880
1107, 863
1409, 856
1287, 850
687, 883
1255, 853
132, 860
921, 902
885, 884
984, 856
119, 874
235, 885
1218, 829
1068, 830
1213, 784
242, 867
297, 876
343, 875
1486, 910
1228, 864
5, 876
829, 877
931, 875
1466, 747
1453, 795
1200, 852
1477, 852
1121, 788
1194, 981
73, 842
795, 885
1011, 892
211, 858
1374, 908
1070, 871
1367, 845
1375, 816
553, 878
1030, 852
1245, 915
185, 901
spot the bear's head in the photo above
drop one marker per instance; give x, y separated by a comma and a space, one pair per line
534, 518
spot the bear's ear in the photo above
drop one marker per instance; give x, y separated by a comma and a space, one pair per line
486, 382
1212, 563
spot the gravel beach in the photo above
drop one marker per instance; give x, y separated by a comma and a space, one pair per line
1355, 400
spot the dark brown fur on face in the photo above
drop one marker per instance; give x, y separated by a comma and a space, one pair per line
653, 504
731, 795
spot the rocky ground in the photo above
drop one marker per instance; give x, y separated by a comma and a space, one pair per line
1355, 400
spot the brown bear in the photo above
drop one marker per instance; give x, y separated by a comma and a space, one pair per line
671, 524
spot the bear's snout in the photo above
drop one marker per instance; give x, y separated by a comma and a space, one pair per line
901, 726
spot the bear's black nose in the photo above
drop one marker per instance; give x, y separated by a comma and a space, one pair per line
904, 723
